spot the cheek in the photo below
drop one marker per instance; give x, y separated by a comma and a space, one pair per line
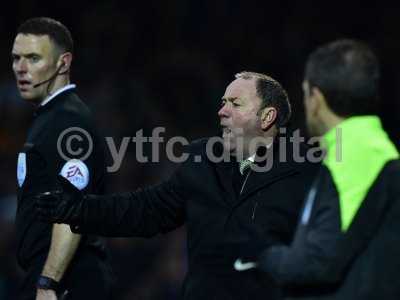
240, 119
240, 123
310, 105
306, 111
308, 117
41, 71
251, 120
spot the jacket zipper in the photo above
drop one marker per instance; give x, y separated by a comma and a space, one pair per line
254, 210
245, 180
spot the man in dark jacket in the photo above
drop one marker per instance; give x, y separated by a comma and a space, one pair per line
57, 261
223, 204
347, 243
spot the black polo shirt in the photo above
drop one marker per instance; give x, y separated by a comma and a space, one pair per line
62, 140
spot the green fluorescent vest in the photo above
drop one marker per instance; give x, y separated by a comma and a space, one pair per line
357, 150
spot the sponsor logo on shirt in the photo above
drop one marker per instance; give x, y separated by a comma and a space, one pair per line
76, 172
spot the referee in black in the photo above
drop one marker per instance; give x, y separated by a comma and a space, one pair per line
62, 140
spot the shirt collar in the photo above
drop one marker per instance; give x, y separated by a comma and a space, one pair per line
56, 93
252, 158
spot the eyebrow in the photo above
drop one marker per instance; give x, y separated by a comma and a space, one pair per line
230, 99
27, 55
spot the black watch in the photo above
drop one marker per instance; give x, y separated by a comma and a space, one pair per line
47, 283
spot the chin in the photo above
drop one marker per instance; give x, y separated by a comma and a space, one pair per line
29, 97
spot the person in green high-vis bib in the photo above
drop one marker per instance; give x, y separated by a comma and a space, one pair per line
347, 244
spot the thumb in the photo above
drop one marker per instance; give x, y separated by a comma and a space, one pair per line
48, 195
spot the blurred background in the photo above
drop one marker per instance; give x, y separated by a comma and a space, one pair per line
151, 63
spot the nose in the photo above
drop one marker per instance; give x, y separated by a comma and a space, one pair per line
20, 66
224, 111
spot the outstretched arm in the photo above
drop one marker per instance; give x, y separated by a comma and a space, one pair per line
146, 212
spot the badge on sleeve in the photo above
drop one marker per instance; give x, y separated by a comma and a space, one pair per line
76, 172
21, 168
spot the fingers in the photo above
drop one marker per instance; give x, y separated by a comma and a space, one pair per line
49, 196
45, 205
46, 200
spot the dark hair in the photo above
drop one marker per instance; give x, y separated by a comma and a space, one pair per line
347, 73
56, 31
272, 94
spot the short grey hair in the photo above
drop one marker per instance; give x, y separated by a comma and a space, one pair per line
271, 94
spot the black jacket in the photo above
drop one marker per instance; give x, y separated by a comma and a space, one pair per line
325, 264
221, 224
347, 242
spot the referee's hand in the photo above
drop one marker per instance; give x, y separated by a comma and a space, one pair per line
61, 205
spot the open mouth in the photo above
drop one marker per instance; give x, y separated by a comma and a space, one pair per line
23, 84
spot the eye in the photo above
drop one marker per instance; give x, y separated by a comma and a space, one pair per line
15, 57
223, 102
34, 58
235, 104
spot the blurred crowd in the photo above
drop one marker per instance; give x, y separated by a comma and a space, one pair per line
167, 63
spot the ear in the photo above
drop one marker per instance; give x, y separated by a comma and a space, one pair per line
64, 62
316, 100
268, 117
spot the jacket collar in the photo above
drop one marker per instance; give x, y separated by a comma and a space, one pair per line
55, 98
268, 169
270, 165
57, 92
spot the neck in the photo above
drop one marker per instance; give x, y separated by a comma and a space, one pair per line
330, 120
58, 83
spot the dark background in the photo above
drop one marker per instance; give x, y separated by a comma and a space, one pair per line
151, 63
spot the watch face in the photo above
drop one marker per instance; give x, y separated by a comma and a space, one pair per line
43, 282
46, 283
